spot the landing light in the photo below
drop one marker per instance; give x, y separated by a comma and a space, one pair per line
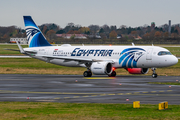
113, 68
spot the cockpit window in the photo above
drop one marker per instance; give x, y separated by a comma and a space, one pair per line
164, 53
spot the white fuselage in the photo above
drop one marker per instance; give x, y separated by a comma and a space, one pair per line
120, 56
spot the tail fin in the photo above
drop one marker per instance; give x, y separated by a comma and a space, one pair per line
34, 35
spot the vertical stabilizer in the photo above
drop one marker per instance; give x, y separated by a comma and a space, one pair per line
34, 35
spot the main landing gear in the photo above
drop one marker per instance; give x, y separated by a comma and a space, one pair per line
154, 75
113, 74
87, 73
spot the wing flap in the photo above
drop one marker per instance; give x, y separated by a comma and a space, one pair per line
68, 58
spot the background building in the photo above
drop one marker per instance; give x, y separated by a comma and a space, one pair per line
20, 40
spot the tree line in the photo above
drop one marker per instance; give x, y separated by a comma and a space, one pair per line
107, 33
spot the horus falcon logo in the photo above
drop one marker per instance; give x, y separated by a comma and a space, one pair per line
130, 56
31, 32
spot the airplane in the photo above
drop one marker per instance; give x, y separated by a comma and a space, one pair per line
99, 60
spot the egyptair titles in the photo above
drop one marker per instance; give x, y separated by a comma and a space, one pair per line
95, 52
83, 52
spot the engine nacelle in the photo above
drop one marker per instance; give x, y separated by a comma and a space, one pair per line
137, 70
101, 68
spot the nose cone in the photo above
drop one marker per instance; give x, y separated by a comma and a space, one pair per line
169, 61
173, 60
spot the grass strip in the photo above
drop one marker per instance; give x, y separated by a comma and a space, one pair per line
8, 52
84, 111
166, 83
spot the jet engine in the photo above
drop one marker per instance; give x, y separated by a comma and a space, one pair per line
137, 70
101, 68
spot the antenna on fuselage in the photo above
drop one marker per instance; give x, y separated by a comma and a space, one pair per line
133, 44
152, 45
82, 44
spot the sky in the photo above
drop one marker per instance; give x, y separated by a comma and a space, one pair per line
132, 13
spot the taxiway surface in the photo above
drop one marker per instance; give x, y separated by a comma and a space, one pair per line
97, 89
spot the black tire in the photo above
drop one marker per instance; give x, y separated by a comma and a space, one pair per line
154, 75
113, 74
85, 74
89, 74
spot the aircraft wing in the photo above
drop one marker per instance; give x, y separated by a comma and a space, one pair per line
82, 60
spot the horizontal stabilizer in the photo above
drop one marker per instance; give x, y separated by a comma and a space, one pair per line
11, 49
20, 48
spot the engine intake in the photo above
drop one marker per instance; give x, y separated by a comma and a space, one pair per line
101, 68
137, 70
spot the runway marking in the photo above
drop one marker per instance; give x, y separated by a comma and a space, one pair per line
91, 94
101, 78
45, 100
133, 93
153, 91
76, 97
6, 91
66, 97
57, 98
86, 96
120, 93
161, 91
159, 94
103, 94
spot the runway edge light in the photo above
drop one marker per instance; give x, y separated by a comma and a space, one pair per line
136, 104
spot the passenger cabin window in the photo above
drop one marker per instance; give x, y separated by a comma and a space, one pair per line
164, 53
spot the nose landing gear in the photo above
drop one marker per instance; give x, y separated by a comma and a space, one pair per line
154, 75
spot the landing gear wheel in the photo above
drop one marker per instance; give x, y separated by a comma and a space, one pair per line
154, 75
113, 74
87, 74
